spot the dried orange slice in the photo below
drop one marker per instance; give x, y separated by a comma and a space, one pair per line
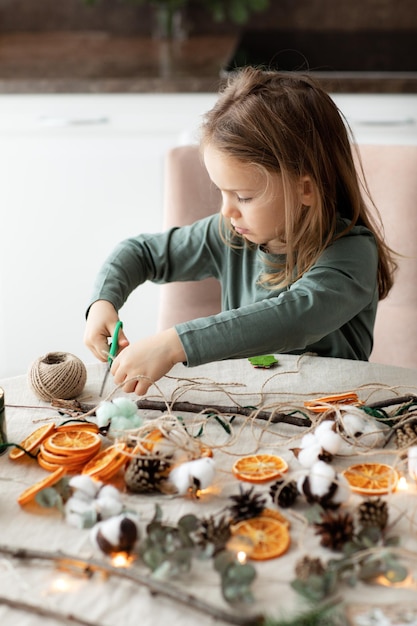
319, 404
269, 537
151, 438
276, 515
371, 478
33, 440
75, 458
107, 463
75, 468
48, 481
72, 441
205, 450
78, 426
259, 468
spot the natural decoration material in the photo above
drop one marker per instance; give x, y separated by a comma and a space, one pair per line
335, 529
31, 442
246, 505
371, 478
368, 553
57, 375
373, 513
160, 587
274, 417
283, 493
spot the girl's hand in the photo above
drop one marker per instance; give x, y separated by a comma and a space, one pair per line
101, 322
149, 358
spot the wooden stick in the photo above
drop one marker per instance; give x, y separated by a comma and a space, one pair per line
273, 417
155, 586
44, 612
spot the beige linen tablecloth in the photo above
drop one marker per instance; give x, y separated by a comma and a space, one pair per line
110, 601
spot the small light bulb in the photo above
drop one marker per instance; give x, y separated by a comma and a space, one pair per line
241, 557
402, 484
121, 559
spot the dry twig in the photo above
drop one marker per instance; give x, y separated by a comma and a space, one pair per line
89, 566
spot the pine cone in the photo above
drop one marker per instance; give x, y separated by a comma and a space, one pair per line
284, 495
246, 505
406, 435
307, 567
146, 474
373, 513
216, 533
335, 530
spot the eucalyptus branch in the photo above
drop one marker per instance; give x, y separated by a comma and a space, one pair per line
89, 566
44, 612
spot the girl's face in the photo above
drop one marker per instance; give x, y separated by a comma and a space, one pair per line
253, 203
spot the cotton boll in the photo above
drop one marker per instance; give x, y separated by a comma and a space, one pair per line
373, 434
120, 424
321, 477
79, 513
309, 455
353, 422
84, 487
107, 506
330, 441
193, 475
342, 492
78, 506
105, 412
125, 407
357, 425
412, 461
308, 440
117, 534
109, 491
324, 486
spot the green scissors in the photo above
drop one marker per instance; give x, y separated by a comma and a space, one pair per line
112, 353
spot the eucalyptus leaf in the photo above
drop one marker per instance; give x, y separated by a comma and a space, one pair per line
88, 518
243, 573
314, 513
371, 569
189, 522
49, 498
153, 557
313, 593
392, 541
396, 574
163, 571
234, 593
158, 513
370, 536
223, 560
181, 560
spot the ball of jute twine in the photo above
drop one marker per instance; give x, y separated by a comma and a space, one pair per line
57, 375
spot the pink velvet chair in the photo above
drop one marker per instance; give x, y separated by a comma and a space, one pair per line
391, 172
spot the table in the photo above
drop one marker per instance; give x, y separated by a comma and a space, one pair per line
111, 601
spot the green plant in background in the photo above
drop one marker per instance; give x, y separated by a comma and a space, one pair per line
237, 11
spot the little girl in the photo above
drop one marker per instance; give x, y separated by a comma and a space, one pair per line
300, 262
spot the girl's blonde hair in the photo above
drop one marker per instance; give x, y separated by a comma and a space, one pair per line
285, 123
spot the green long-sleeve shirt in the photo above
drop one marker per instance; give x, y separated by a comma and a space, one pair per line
329, 311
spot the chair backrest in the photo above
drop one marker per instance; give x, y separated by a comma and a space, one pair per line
189, 195
391, 173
